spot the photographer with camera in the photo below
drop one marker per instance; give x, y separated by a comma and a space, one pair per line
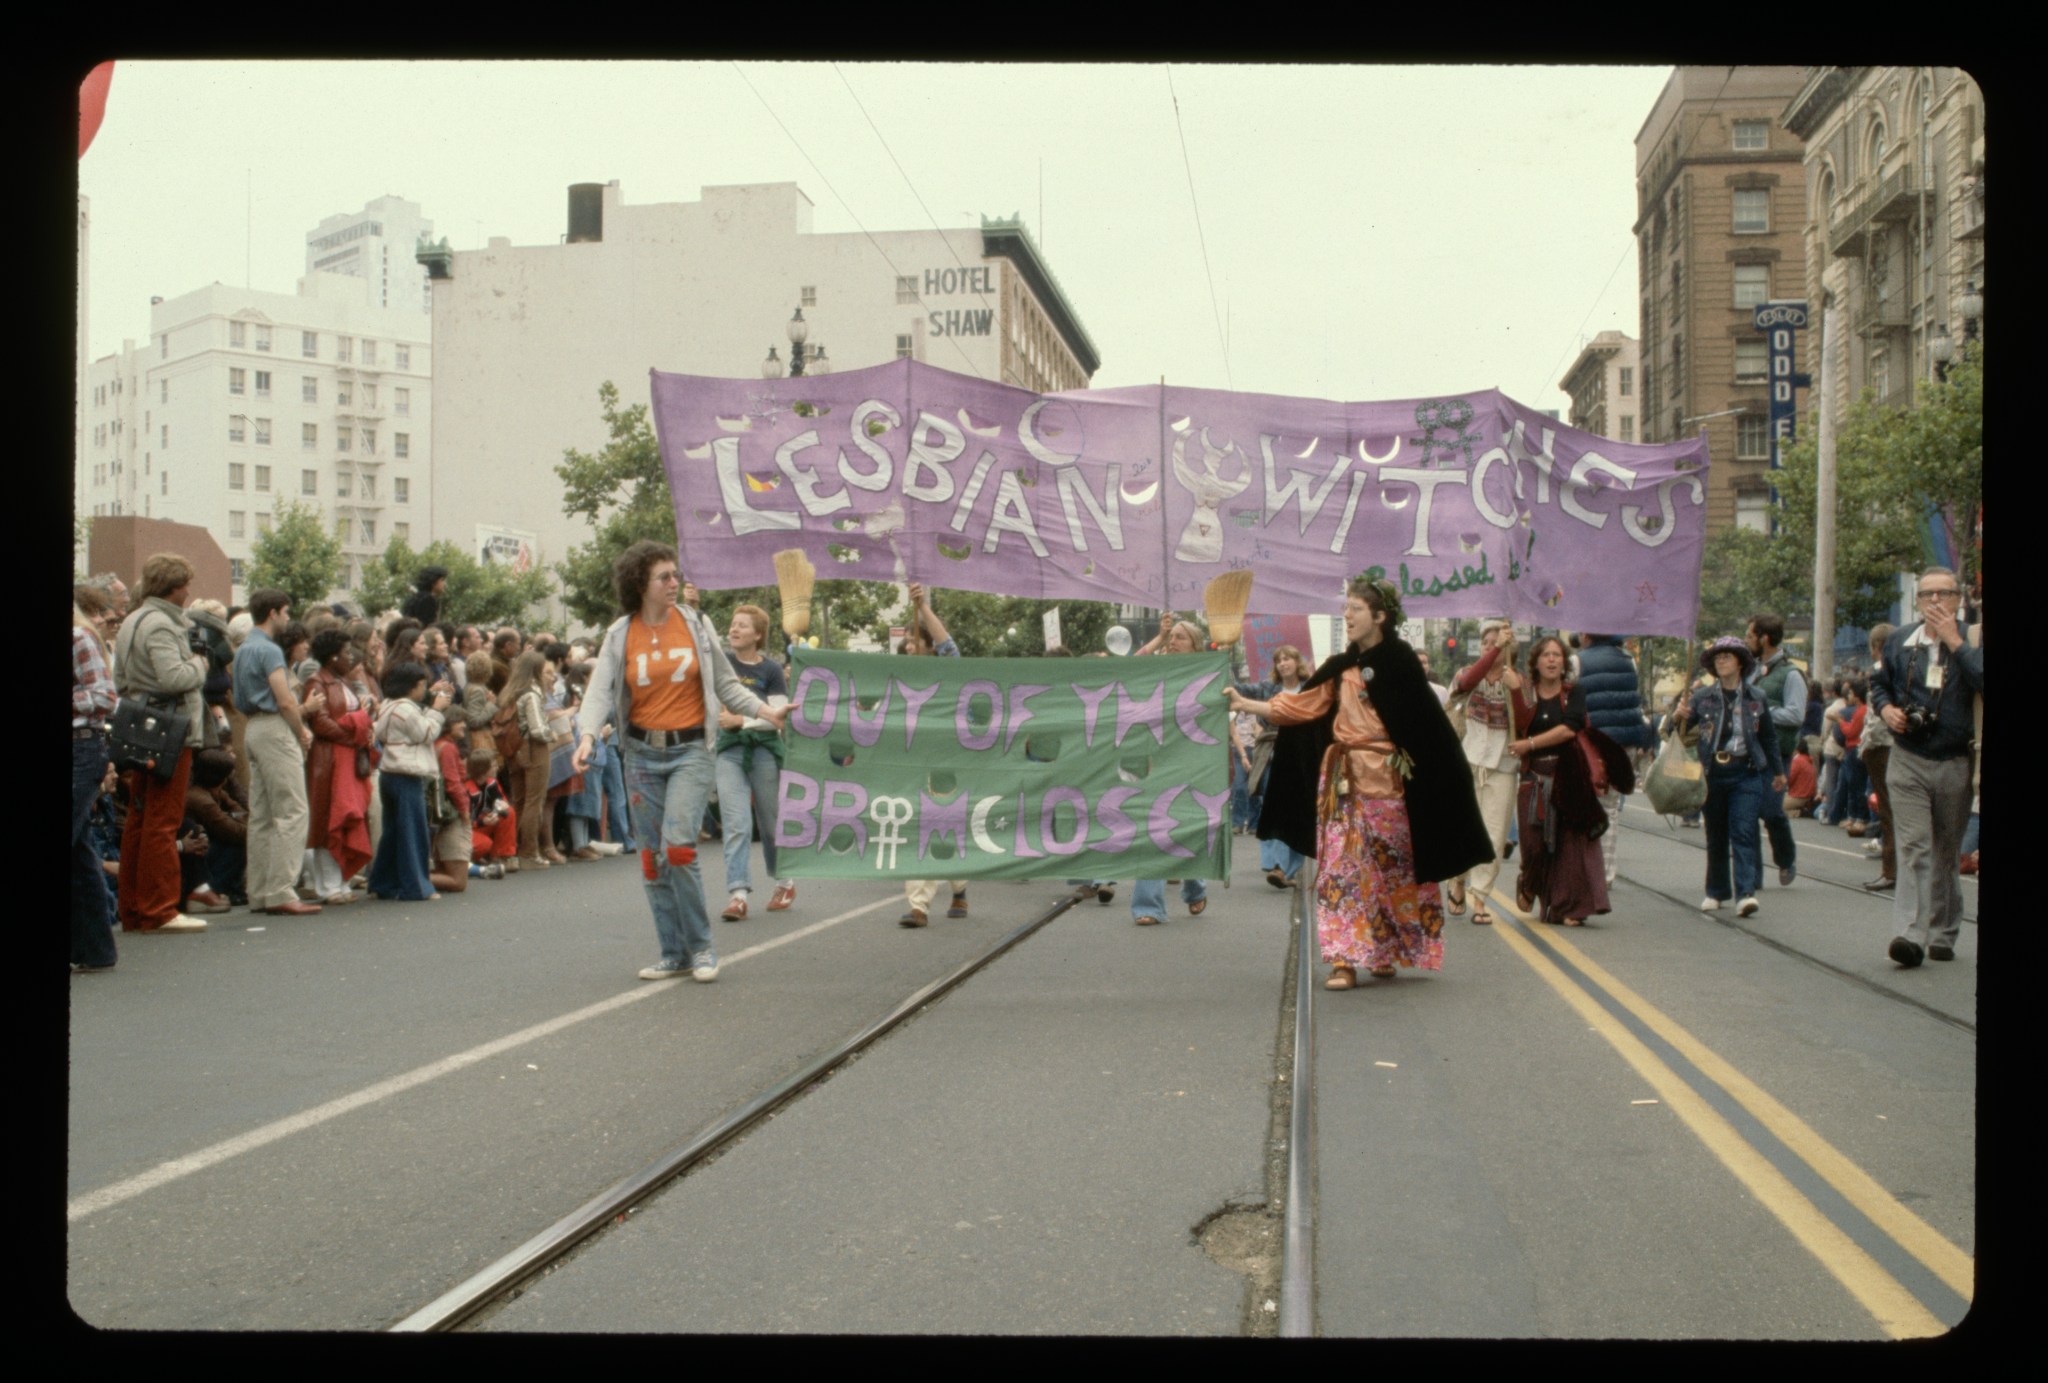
1923, 690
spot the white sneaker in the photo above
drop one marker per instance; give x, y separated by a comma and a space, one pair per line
665, 970
1710, 905
705, 971
607, 847
182, 923
1873, 849
1746, 908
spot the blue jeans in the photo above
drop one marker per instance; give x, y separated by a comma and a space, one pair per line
738, 788
92, 913
1278, 854
1735, 802
406, 849
1148, 896
667, 789
1240, 796
613, 777
1851, 801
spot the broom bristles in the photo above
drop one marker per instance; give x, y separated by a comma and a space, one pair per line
1224, 600
794, 576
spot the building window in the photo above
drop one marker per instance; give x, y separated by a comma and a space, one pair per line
263, 338
1752, 284
401, 402
402, 532
309, 436
1677, 365
1677, 283
369, 352
163, 482
1876, 146
263, 432
903, 347
1752, 134
164, 396
1753, 511
1628, 380
343, 438
401, 490
1628, 427
1880, 375
1752, 437
238, 380
238, 428
344, 394
238, 335
163, 346
309, 482
263, 384
341, 490
369, 530
369, 396
906, 288
369, 441
344, 348
263, 479
237, 523
164, 441
369, 487
236, 474
1752, 210
401, 445
235, 570
309, 389
1752, 361
809, 296
404, 357
309, 344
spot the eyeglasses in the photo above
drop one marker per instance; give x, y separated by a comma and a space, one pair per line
1951, 593
670, 576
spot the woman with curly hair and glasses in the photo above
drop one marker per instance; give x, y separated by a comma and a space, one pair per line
1558, 799
1395, 812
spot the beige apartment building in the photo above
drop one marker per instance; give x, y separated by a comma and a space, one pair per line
1894, 240
1721, 219
1602, 384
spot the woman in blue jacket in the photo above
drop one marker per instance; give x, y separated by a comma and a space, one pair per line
1740, 752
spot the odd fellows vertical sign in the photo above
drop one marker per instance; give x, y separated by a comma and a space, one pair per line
1779, 320
1012, 768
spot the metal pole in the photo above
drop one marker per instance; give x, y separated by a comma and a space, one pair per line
1824, 505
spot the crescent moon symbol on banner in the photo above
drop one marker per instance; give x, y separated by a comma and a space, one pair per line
1037, 448
979, 825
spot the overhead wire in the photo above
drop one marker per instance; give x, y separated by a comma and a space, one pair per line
1200, 237
1579, 334
844, 205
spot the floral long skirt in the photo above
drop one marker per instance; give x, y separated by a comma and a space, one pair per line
1370, 912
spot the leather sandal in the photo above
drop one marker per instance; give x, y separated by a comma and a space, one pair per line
1454, 899
1481, 917
1146, 921
1276, 878
914, 918
1198, 907
1341, 977
1383, 972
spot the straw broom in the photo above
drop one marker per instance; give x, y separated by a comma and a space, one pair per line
1223, 602
794, 576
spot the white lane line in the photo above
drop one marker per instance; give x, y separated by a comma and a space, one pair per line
178, 1167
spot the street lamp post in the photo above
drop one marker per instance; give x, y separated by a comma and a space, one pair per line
799, 330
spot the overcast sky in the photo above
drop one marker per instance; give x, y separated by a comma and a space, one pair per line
1371, 232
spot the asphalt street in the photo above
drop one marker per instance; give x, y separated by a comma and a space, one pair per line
1666, 1124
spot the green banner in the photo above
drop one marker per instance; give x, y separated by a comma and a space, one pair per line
1005, 768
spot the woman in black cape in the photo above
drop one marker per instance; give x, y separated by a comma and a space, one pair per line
1368, 777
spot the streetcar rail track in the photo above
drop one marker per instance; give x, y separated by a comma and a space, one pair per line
1297, 1234
512, 1270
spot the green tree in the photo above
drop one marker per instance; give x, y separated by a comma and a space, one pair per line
300, 555
484, 594
622, 492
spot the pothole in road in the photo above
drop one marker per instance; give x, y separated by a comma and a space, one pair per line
1245, 1238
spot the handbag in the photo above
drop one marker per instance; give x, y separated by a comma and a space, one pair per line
147, 735
1454, 711
366, 762
1677, 785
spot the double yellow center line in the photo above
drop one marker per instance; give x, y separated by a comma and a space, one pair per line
1896, 1265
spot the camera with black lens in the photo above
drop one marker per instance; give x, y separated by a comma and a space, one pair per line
1919, 719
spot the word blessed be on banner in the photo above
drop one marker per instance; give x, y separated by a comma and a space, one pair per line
1473, 505
1010, 768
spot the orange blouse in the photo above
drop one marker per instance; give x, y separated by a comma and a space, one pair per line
1357, 731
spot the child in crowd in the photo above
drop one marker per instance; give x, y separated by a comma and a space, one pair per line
407, 730
448, 812
494, 827
1802, 783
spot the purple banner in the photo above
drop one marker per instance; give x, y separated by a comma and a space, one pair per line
1475, 504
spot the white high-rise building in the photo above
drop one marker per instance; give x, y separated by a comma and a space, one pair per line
380, 244
527, 334
243, 400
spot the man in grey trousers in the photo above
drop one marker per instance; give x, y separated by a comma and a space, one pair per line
276, 741
1924, 690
